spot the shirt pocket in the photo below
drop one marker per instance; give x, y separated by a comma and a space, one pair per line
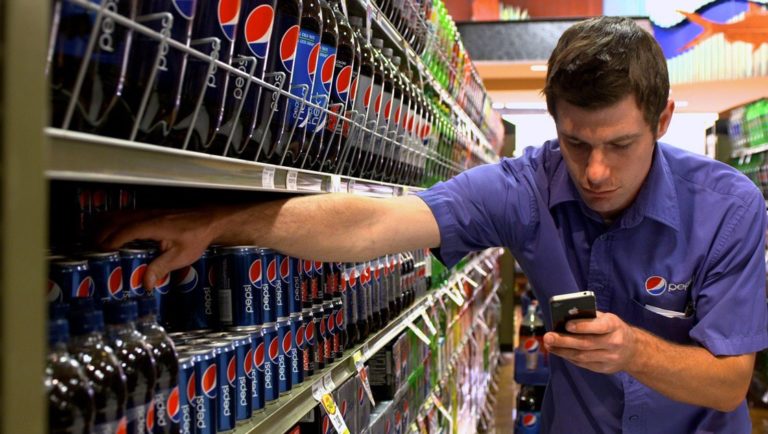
670, 325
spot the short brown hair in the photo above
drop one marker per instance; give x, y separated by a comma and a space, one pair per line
599, 61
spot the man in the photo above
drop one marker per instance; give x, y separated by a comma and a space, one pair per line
670, 243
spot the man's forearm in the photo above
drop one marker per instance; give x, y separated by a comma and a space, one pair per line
331, 227
691, 374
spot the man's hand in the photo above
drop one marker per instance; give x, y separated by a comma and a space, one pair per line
605, 344
183, 236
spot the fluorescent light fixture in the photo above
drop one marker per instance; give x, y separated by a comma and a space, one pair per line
539, 68
531, 105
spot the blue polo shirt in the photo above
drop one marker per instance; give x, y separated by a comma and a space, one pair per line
685, 261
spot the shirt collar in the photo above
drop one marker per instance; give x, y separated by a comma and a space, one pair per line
657, 198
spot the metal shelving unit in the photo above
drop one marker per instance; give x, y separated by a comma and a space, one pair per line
485, 151
86, 157
285, 412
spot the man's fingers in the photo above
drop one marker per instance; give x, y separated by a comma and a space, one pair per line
136, 231
169, 260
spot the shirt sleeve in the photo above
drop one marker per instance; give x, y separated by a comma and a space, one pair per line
731, 312
484, 207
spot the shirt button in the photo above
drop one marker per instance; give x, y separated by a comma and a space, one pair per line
634, 418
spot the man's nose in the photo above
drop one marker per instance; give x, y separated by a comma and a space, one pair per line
598, 172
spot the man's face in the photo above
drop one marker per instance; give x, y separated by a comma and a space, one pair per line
608, 151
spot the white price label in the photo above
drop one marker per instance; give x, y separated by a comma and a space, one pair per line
335, 186
351, 186
332, 410
328, 383
428, 322
362, 375
268, 177
419, 334
291, 179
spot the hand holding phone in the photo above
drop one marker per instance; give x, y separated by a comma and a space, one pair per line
576, 305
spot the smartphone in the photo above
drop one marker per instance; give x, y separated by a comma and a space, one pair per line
575, 305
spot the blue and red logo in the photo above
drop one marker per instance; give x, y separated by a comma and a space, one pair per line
273, 351
307, 267
340, 318
186, 279
529, 420
531, 345
655, 285
85, 288
258, 30
388, 426
115, 283
398, 421
285, 269
248, 364
186, 8
331, 323
163, 285
326, 72
208, 382
174, 409
272, 271
353, 88
327, 427
54, 291
150, 422
318, 267
287, 342
300, 333
314, 55
343, 81
288, 47
309, 333
232, 370
254, 273
229, 16
360, 395
191, 394
137, 279
258, 357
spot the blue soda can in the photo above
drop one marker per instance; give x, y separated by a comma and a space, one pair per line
107, 275
284, 355
271, 347
259, 353
163, 286
244, 375
226, 373
193, 298
239, 286
269, 286
185, 393
294, 268
134, 263
284, 287
205, 391
298, 329
69, 279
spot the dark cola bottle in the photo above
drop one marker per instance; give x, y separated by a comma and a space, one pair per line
312, 142
393, 113
349, 129
367, 82
155, 77
373, 145
363, 308
405, 139
70, 396
104, 71
350, 310
400, 118
529, 399
166, 400
328, 149
289, 145
136, 359
382, 103
381, 281
251, 56
206, 86
102, 368
278, 72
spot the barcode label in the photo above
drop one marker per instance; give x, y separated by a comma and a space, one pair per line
225, 306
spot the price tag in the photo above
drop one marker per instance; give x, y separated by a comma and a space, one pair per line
428, 322
335, 186
419, 334
291, 179
268, 177
331, 409
351, 186
406, 191
318, 391
328, 383
362, 375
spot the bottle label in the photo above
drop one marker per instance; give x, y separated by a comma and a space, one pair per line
528, 422
305, 67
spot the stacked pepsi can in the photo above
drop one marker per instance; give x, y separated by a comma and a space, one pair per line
248, 323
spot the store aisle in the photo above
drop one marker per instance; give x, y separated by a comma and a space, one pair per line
505, 397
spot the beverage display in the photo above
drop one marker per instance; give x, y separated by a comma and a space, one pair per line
531, 337
529, 399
